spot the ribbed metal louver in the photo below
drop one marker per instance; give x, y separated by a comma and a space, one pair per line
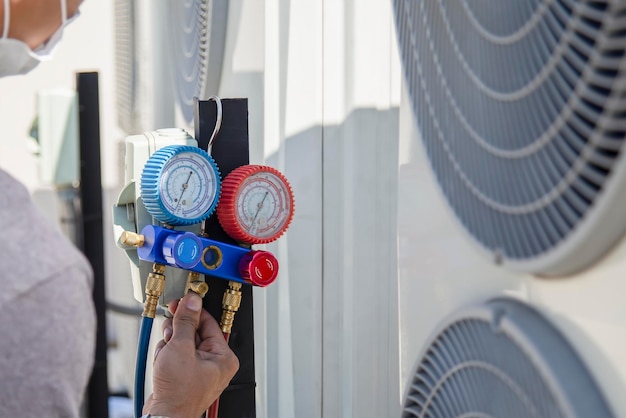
502, 359
198, 31
521, 105
124, 64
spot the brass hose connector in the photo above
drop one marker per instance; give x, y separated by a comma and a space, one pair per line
195, 285
132, 239
154, 289
230, 305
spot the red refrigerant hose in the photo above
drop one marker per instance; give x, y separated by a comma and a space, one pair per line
230, 304
213, 409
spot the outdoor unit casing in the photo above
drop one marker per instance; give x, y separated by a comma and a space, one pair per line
520, 109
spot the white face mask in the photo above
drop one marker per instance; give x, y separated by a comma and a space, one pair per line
15, 55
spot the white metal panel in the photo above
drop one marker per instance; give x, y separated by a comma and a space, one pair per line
360, 365
292, 144
326, 331
273, 57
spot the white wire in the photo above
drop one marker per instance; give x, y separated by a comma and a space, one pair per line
7, 18
218, 122
63, 12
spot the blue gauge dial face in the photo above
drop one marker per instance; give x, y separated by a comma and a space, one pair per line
188, 185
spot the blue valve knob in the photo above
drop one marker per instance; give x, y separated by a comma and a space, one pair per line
183, 250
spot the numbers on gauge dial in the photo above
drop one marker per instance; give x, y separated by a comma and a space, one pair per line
263, 205
188, 185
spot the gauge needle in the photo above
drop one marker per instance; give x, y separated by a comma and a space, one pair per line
259, 207
185, 185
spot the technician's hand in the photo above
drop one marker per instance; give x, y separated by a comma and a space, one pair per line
192, 364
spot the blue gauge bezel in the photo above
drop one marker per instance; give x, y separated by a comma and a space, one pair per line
151, 184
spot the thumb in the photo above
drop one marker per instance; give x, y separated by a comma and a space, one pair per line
187, 318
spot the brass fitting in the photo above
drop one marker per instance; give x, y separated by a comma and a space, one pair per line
154, 289
230, 305
132, 239
195, 285
201, 288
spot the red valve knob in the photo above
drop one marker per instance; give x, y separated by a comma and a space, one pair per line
259, 268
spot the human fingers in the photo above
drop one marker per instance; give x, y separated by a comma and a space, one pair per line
209, 328
167, 329
158, 348
147, 404
173, 305
187, 319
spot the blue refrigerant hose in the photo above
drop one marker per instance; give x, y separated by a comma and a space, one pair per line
140, 366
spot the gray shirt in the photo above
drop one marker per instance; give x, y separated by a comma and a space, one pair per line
47, 320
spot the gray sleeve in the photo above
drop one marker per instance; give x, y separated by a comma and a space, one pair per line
47, 342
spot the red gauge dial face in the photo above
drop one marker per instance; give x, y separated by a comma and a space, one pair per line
263, 205
259, 204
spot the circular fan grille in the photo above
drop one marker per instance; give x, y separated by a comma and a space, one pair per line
502, 359
197, 36
522, 110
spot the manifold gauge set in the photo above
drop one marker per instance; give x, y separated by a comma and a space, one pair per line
180, 186
159, 224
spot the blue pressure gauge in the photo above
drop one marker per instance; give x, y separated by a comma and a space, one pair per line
180, 185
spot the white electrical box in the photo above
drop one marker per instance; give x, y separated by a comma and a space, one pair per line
130, 214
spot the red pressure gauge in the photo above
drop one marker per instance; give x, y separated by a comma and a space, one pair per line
257, 205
